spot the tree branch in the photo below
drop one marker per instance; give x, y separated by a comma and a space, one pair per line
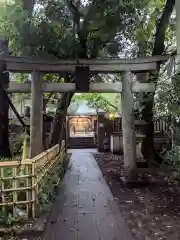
161, 27
88, 17
80, 32
76, 13
98, 43
110, 104
27, 5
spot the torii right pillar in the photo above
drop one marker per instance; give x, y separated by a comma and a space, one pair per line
128, 128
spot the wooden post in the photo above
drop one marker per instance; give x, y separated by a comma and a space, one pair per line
128, 128
100, 132
67, 133
36, 120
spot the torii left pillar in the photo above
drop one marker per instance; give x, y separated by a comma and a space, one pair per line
36, 119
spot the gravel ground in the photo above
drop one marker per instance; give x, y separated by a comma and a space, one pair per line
152, 212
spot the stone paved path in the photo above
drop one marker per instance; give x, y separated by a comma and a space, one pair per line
85, 208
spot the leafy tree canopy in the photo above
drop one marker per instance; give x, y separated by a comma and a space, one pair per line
109, 102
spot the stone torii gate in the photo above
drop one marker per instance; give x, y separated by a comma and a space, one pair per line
82, 68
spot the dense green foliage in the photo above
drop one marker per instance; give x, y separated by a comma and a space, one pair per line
53, 28
109, 102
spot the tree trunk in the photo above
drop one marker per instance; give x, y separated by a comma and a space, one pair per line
148, 142
4, 118
28, 6
59, 118
147, 147
147, 114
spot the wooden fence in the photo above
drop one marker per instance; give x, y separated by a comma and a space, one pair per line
117, 125
160, 125
20, 183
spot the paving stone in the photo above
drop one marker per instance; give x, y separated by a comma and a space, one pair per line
85, 202
87, 227
67, 227
108, 228
85, 208
101, 204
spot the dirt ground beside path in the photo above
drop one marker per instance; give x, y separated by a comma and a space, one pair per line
153, 212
